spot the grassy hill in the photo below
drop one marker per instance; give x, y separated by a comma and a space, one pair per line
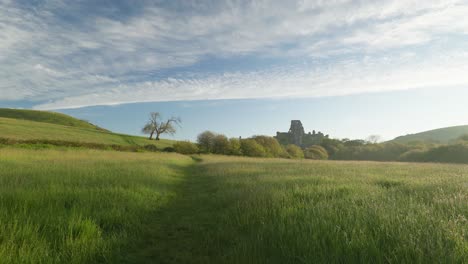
441, 135
46, 117
39, 125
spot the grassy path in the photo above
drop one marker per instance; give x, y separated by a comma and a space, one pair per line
184, 231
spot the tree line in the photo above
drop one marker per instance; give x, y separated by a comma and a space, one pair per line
327, 148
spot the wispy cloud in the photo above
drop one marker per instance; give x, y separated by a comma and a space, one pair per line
70, 55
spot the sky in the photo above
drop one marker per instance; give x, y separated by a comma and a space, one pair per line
349, 68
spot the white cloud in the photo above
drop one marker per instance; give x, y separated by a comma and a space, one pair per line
346, 77
108, 60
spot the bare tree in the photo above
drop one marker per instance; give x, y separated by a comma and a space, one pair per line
156, 126
374, 139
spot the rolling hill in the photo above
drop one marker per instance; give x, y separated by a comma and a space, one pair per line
40, 125
441, 135
46, 117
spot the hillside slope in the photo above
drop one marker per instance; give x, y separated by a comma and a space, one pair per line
28, 127
46, 117
441, 135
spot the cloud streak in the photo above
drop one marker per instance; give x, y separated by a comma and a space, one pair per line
114, 56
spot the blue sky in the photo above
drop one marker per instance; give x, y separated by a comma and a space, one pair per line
349, 68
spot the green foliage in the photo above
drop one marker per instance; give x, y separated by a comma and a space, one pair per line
316, 153
457, 153
251, 148
221, 145
235, 147
294, 151
271, 146
205, 141
332, 146
186, 147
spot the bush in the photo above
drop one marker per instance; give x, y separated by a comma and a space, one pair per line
168, 149
186, 147
151, 148
271, 146
251, 148
294, 152
316, 152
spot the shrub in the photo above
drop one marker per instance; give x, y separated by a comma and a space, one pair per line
186, 147
251, 148
168, 149
271, 146
151, 148
294, 152
316, 152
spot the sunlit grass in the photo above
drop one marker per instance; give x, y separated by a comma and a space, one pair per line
80, 206
279, 211
84, 206
31, 130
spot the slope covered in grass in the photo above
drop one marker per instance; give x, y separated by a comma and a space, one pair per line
46, 117
30, 130
441, 135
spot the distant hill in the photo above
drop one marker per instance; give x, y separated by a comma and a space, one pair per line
19, 124
441, 135
46, 117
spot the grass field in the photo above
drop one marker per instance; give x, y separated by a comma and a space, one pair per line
84, 206
31, 130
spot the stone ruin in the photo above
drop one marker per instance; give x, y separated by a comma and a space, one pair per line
297, 136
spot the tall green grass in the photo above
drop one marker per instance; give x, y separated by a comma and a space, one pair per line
83, 206
80, 206
239, 210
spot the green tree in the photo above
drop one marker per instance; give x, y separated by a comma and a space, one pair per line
205, 141
235, 147
221, 145
251, 148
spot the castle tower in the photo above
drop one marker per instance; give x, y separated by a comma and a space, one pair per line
296, 132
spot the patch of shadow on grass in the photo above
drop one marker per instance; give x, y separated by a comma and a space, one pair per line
388, 184
184, 230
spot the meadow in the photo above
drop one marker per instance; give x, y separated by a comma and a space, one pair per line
89, 206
